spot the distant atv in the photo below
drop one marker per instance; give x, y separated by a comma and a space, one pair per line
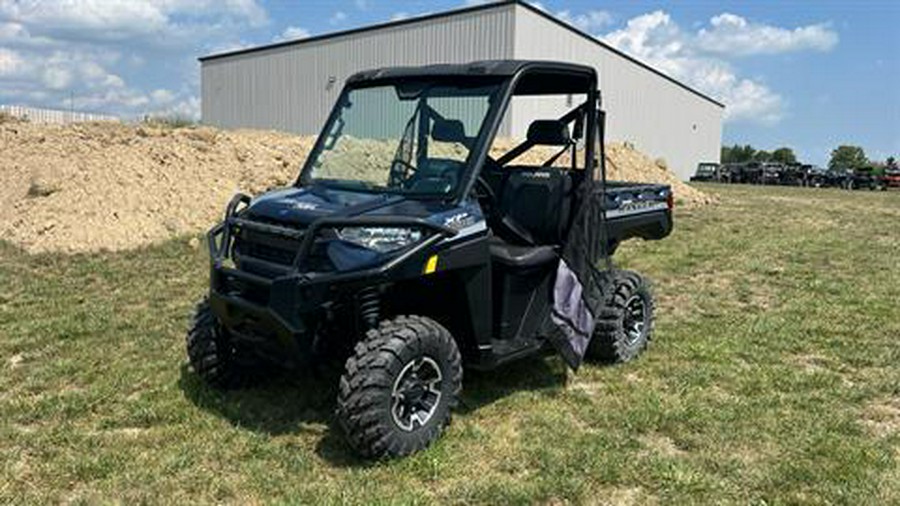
795, 174
830, 178
771, 173
752, 173
891, 178
708, 172
405, 251
864, 178
815, 177
731, 173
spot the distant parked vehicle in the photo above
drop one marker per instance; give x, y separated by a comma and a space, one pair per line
707, 172
828, 178
866, 177
891, 178
812, 175
731, 173
843, 178
795, 174
771, 173
752, 173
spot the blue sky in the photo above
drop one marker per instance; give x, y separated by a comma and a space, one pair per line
807, 74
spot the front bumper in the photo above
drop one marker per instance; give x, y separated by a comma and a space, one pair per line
281, 312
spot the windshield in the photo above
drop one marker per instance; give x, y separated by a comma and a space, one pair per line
413, 137
706, 168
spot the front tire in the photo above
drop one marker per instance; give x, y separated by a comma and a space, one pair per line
399, 387
212, 353
624, 326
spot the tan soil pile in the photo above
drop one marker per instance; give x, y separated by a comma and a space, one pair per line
627, 164
108, 186
89, 187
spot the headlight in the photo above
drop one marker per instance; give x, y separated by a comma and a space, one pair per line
381, 239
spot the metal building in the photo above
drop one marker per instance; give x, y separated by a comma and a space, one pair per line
292, 86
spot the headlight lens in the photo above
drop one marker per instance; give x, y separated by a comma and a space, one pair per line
381, 239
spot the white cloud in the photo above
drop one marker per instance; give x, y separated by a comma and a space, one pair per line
188, 108
731, 34
162, 96
97, 51
657, 40
337, 18
104, 99
248, 11
397, 16
292, 33
652, 35
53, 79
93, 20
96, 76
745, 99
10, 62
56, 78
588, 22
11, 30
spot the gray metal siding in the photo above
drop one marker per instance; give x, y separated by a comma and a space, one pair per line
659, 117
287, 88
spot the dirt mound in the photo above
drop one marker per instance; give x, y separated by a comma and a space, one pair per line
107, 186
95, 186
627, 164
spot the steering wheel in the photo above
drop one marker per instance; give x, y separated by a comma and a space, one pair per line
395, 174
404, 164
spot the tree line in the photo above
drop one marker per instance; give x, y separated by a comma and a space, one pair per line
842, 157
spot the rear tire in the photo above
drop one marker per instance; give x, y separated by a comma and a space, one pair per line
212, 354
399, 387
624, 325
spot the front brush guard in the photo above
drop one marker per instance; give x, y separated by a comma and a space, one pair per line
294, 293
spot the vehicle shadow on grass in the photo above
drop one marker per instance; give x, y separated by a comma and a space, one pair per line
296, 403
280, 405
291, 403
482, 388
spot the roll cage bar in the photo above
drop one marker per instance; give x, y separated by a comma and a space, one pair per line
534, 79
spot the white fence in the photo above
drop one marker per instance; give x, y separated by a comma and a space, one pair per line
35, 115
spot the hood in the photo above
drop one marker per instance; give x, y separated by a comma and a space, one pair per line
301, 206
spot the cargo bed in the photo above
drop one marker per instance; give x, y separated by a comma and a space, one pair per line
637, 210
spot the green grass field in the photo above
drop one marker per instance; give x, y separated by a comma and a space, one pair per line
774, 377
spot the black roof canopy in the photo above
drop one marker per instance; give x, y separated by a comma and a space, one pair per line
540, 76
